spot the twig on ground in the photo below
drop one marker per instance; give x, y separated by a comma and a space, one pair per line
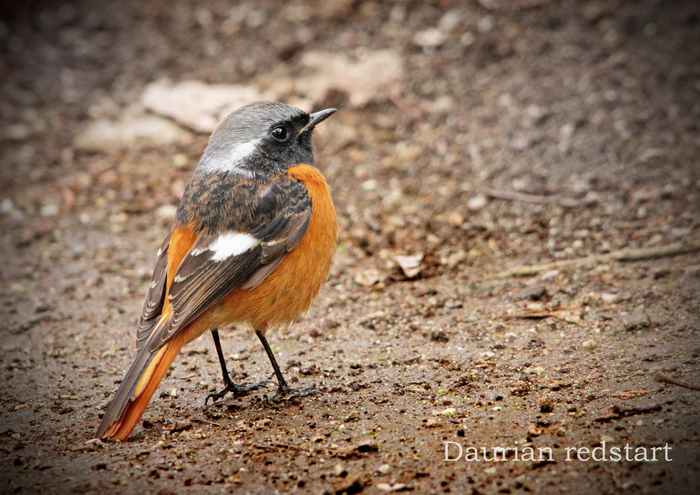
621, 411
572, 315
532, 198
664, 378
631, 393
200, 420
634, 254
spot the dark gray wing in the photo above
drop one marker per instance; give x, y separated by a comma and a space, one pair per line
241, 254
155, 297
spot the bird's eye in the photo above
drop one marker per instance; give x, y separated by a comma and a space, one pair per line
280, 133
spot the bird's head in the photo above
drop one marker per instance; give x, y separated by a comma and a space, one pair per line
262, 138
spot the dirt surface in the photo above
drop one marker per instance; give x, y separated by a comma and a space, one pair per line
590, 107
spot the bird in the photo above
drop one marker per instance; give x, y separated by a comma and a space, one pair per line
251, 244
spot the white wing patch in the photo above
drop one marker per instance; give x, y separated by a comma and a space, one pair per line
231, 244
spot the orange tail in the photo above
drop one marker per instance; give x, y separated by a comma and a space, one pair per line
139, 385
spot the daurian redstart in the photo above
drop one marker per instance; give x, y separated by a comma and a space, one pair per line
252, 243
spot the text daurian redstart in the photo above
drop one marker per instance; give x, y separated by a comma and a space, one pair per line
252, 243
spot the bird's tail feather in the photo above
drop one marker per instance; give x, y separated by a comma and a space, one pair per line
137, 388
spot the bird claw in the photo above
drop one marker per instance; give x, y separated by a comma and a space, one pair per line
285, 391
238, 390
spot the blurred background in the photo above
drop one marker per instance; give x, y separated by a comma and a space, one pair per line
472, 137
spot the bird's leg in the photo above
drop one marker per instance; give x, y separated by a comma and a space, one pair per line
238, 389
282, 389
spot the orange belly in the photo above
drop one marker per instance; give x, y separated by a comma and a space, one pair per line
290, 289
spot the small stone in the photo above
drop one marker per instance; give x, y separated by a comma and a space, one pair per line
49, 210
491, 470
450, 20
534, 431
566, 131
181, 161
430, 38
486, 23
588, 345
546, 404
384, 469
431, 422
537, 370
608, 298
182, 425
549, 275
638, 320
467, 39
474, 253
450, 411
536, 113
533, 293
455, 218
370, 185
17, 132
349, 484
6, 206
17, 288
677, 233
119, 218
477, 202
262, 424
607, 439
339, 470
367, 447
657, 240
368, 278
386, 487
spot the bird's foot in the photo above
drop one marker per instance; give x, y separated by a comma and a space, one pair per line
238, 390
284, 391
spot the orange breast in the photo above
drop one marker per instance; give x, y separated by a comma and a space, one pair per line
290, 289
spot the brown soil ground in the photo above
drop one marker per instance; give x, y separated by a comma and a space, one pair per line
595, 102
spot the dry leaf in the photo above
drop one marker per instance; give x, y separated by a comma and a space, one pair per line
410, 265
368, 278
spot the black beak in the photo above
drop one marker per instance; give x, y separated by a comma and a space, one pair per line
318, 117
